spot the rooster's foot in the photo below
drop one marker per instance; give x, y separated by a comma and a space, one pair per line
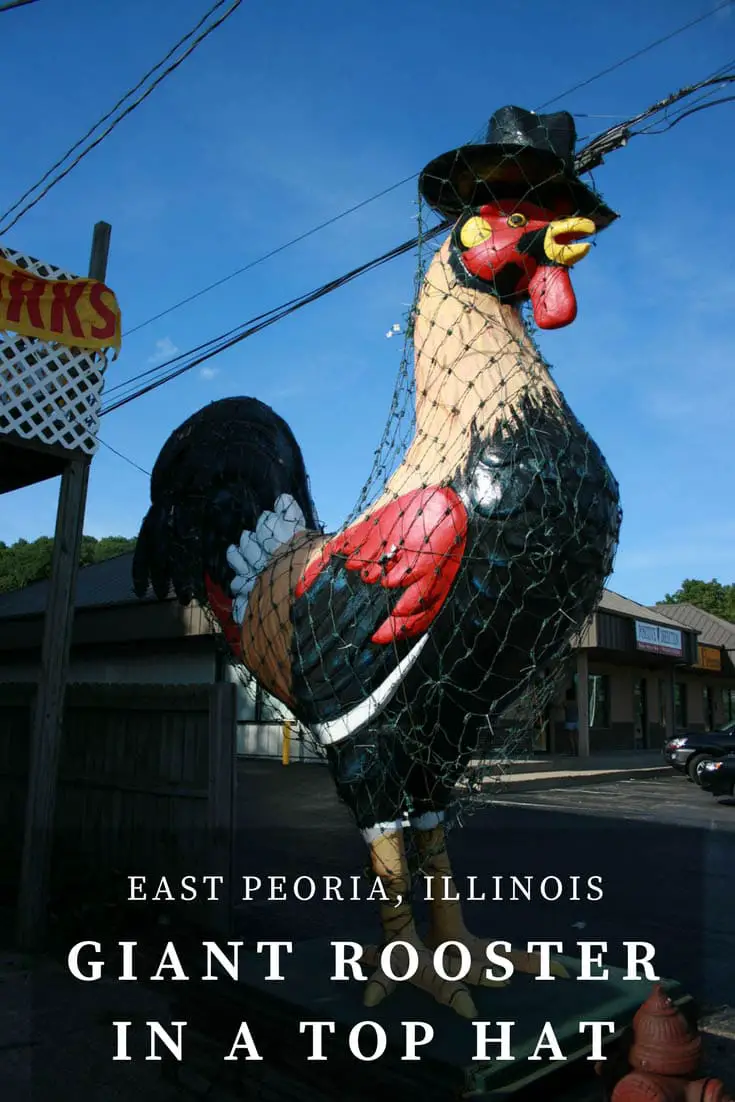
452, 993
446, 923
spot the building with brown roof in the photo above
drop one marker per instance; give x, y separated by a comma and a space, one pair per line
709, 687
630, 657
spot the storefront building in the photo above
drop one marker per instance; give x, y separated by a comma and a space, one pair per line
709, 687
649, 672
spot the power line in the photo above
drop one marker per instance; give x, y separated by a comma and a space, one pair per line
286, 245
116, 121
648, 131
125, 457
393, 187
198, 348
269, 255
15, 4
718, 78
227, 340
638, 53
588, 157
594, 153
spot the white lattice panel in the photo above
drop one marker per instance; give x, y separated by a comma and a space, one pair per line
49, 393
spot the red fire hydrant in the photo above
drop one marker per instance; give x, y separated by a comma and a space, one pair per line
664, 1058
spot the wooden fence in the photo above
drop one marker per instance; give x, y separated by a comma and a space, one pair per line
146, 787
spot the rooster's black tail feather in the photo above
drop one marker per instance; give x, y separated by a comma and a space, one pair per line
213, 478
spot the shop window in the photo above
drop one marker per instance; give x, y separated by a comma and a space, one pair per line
663, 696
680, 704
599, 700
728, 703
708, 708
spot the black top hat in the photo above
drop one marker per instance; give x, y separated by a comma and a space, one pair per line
524, 155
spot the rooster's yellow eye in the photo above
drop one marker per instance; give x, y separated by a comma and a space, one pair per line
515, 221
475, 231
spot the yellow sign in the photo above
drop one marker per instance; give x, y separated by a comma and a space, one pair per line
709, 658
79, 313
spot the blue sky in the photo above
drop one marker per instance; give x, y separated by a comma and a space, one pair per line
294, 112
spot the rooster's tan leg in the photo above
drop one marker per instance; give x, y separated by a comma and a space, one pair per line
388, 857
446, 917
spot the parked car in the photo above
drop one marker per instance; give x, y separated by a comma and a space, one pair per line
718, 777
689, 752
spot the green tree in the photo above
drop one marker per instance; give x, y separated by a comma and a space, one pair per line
109, 547
23, 563
710, 596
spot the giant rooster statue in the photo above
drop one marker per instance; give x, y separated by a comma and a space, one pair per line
394, 640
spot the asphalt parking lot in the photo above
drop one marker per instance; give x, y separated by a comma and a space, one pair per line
669, 799
663, 847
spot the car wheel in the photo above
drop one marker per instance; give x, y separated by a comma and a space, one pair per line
695, 765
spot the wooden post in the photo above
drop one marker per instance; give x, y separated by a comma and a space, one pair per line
48, 713
222, 789
286, 747
583, 703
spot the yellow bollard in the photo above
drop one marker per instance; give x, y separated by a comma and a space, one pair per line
286, 749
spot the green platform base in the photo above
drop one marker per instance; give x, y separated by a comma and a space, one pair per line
273, 1012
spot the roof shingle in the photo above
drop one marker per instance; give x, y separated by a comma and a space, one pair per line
623, 606
714, 631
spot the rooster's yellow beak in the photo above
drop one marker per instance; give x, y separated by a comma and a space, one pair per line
561, 243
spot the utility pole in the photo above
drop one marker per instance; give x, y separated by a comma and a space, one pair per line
48, 712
